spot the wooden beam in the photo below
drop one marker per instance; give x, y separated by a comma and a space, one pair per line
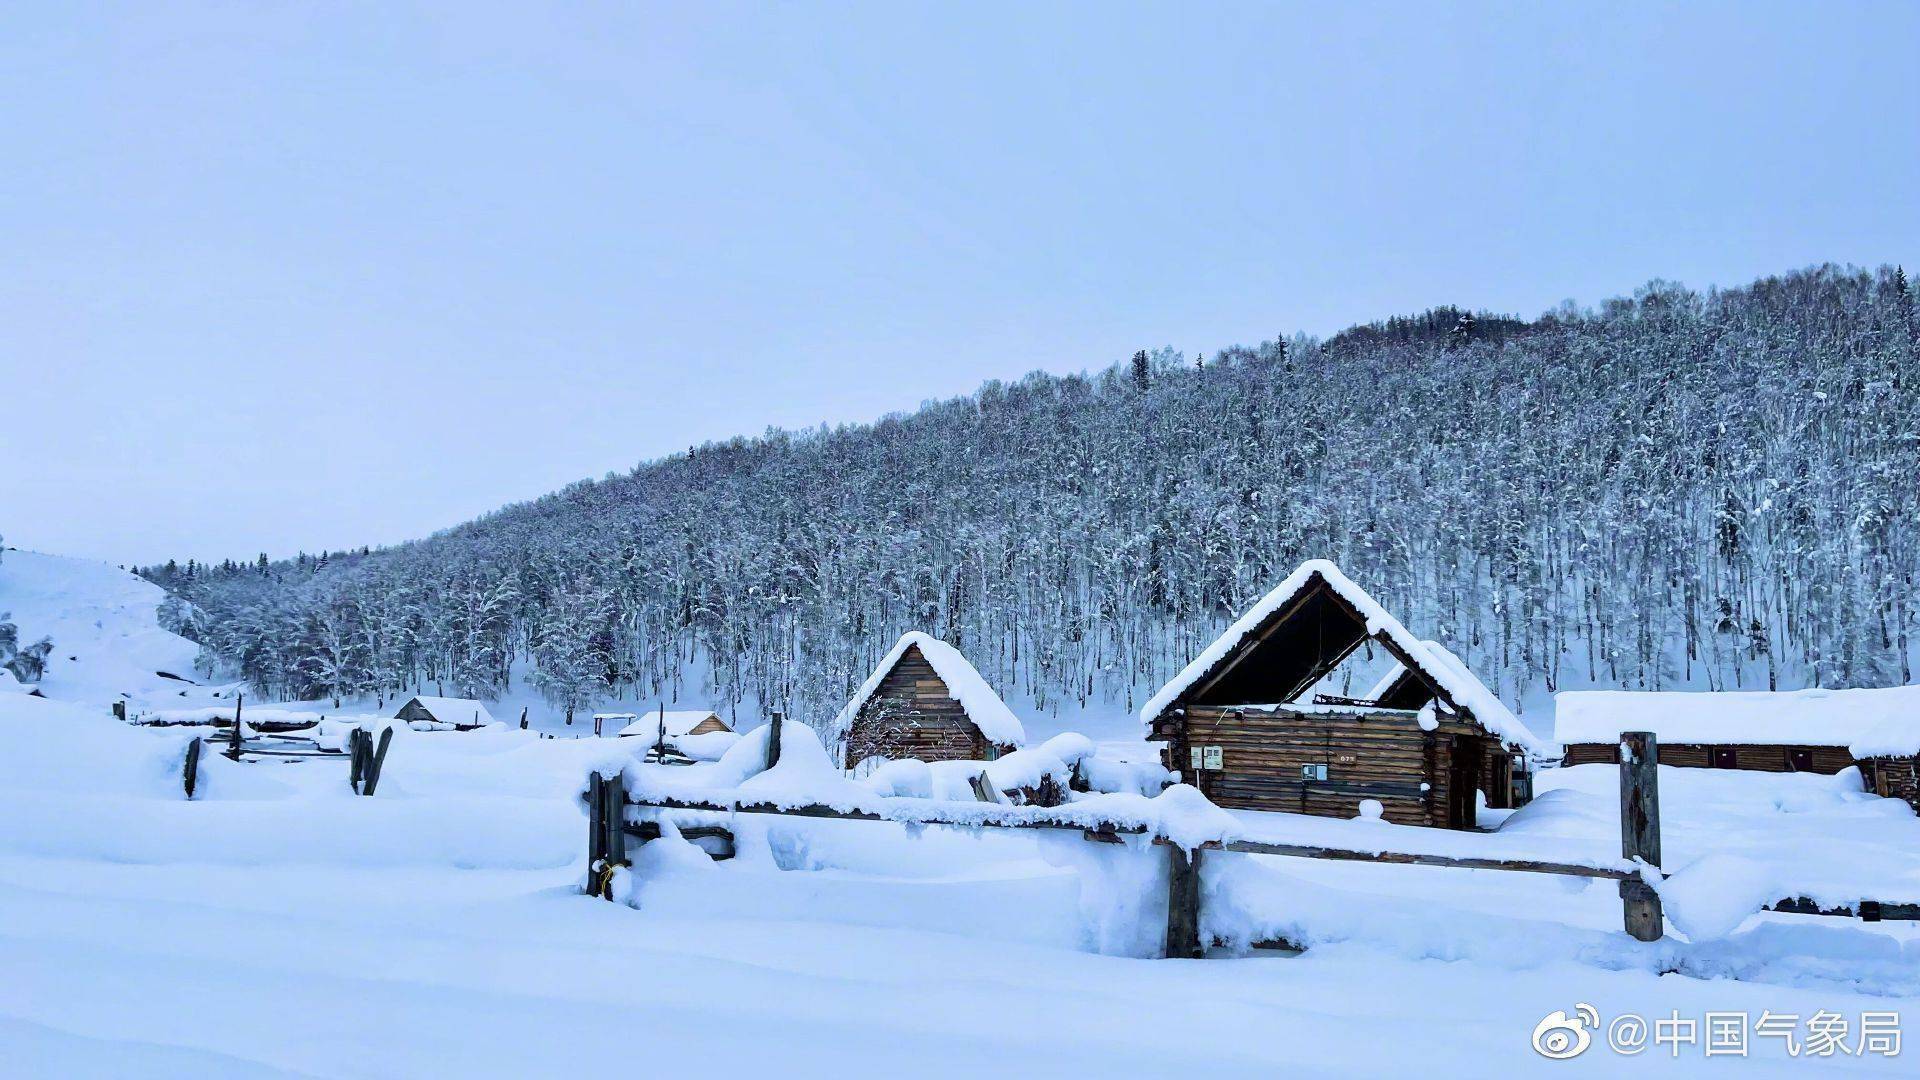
1865, 910
190, 771
1183, 904
377, 760
773, 739
1640, 831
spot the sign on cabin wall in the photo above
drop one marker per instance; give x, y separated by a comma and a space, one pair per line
1344, 759
1313, 772
1208, 757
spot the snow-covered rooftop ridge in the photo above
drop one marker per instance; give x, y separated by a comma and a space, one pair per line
1885, 717
678, 722
454, 710
964, 684
1439, 665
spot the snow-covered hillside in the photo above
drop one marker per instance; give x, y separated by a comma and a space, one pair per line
107, 641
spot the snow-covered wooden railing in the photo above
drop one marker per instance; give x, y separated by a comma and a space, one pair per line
609, 829
1637, 870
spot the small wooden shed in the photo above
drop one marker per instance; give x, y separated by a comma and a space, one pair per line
1816, 731
1424, 743
462, 714
674, 723
925, 701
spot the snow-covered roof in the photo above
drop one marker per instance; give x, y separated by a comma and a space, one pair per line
453, 710
678, 722
1436, 664
1887, 717
964, 684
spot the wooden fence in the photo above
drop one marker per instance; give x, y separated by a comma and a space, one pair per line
1641, 911
364, 759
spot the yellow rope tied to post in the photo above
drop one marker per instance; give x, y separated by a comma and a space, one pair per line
604, 887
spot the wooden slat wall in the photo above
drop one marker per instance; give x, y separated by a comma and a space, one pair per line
911, 715
1894, 778
1825, 759
1264, 753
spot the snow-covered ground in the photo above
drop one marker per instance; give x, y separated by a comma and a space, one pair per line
280, 925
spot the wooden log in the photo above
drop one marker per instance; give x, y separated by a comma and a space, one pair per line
234, 744
356, 759
378, 759
596, 833
1183, 904
1865, 910
1402, 858
773, 739
1640, 831
614, 790
983, 790
190, 772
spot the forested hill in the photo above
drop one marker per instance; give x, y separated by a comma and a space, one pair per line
1677, 488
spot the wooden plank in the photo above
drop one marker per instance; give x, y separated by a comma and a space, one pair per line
1183, 904
1110, 833
1866, 910
190, 771
1640, 831
374, 764
1403, 858
773, 739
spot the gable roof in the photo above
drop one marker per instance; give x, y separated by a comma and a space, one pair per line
1319, 616
451, 710
964, 684
678, 722
1873, 719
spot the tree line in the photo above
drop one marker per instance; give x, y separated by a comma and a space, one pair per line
1714, 489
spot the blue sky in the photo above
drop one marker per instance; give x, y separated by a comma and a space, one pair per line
287, 277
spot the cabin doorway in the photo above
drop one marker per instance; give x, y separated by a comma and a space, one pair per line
1463, 781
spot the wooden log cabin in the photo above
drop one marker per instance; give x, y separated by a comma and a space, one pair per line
672, 723
925, 700
1815, 731
1424, 743
461, 714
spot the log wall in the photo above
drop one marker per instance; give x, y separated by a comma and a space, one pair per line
1750, 756
1893, 778
912, 715
1384, 756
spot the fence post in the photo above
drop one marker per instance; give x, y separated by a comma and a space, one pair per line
596, 832
375, 761
356, 764
615, 844
1183, 903
233, 748
120, 711
606, 831
773, 740
1640, 830
190, 774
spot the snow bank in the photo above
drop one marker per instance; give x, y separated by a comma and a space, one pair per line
964, 684
1888, 717
107, 641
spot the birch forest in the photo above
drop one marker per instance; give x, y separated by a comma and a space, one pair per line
1676, 488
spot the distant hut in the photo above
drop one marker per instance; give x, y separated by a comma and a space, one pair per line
1424, 743
674, 723
462, 714
1814, 731
926, 701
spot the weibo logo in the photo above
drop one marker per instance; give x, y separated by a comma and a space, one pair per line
1559, 1036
